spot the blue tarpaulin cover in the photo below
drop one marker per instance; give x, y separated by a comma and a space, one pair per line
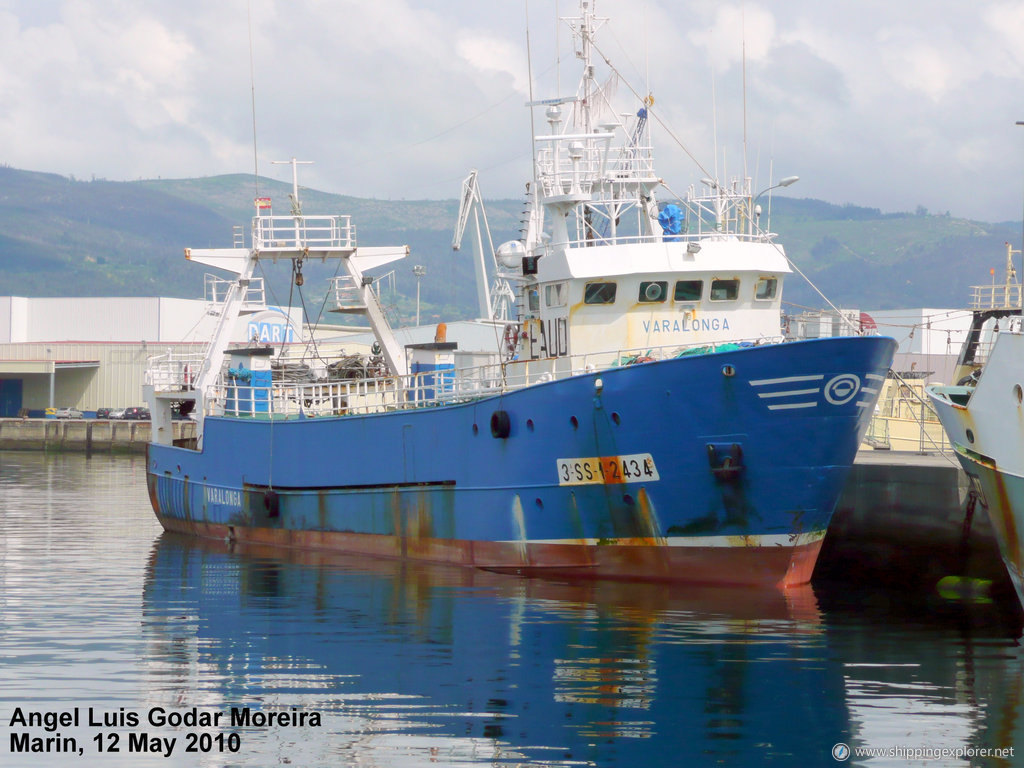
671, 220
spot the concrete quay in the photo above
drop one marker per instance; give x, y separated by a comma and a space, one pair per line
906, 519
88, 435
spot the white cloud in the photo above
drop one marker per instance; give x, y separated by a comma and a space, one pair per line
398, 98
490, 54
920, 64
737, 31
1006, 24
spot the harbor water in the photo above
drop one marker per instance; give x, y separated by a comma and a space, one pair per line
123, 645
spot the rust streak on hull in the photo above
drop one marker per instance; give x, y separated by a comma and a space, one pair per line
780, 567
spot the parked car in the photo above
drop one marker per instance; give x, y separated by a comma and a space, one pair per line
103, 413
117, 413
137, 413
68, 413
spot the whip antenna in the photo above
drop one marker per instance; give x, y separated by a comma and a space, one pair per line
252, 86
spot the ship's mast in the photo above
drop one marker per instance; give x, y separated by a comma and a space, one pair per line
1011, 286
585, 26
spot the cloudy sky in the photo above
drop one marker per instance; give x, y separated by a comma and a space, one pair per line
892, 105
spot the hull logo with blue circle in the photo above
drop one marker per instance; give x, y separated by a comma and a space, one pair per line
842, 389
793, 392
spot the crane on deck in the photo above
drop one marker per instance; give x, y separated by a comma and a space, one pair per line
496, 302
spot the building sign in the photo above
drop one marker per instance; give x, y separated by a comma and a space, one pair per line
269, 327
269, 333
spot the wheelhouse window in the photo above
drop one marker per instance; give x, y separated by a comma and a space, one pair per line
533, 299
652, 291
599, 293
766, 288
556, 294
688, 290
725, 290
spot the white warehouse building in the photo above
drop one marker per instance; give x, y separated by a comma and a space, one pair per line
90, 353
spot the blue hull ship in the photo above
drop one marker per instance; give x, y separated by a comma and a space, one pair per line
667, 470
641, 417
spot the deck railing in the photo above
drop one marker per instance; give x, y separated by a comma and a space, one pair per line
215, 291
424, 389
996, 296
293, 232
904, 420
175, 371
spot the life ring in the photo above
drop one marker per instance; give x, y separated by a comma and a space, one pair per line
511, 340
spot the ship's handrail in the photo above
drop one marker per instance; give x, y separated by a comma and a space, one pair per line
215, 291
694, 235
174, 371
296, 232
424, 389
996, 296
718, 217
580, 163
345, 292
904, 420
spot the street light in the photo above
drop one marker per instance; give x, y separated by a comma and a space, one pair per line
419, 271
1021, 122
787, 181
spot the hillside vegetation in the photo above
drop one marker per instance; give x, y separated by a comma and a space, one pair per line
65, 237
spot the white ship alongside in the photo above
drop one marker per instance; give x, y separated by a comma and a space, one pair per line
985, 424
983, 414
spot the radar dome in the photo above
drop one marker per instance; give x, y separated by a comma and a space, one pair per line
510, 254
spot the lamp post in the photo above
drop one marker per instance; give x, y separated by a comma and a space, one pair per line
1021, 122
787, 181
419, 271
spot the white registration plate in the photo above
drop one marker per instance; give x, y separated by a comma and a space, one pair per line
607, 470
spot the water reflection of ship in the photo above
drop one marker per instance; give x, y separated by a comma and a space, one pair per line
936, 677
640, 670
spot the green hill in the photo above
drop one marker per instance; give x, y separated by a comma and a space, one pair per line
61, 236
860, 257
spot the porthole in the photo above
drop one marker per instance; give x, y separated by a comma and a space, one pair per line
653, 291
1018, 394
970, 437
616, 418
728, 370
575, 422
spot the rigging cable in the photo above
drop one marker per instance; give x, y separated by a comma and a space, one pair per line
660, 122
252, 84
319, 316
